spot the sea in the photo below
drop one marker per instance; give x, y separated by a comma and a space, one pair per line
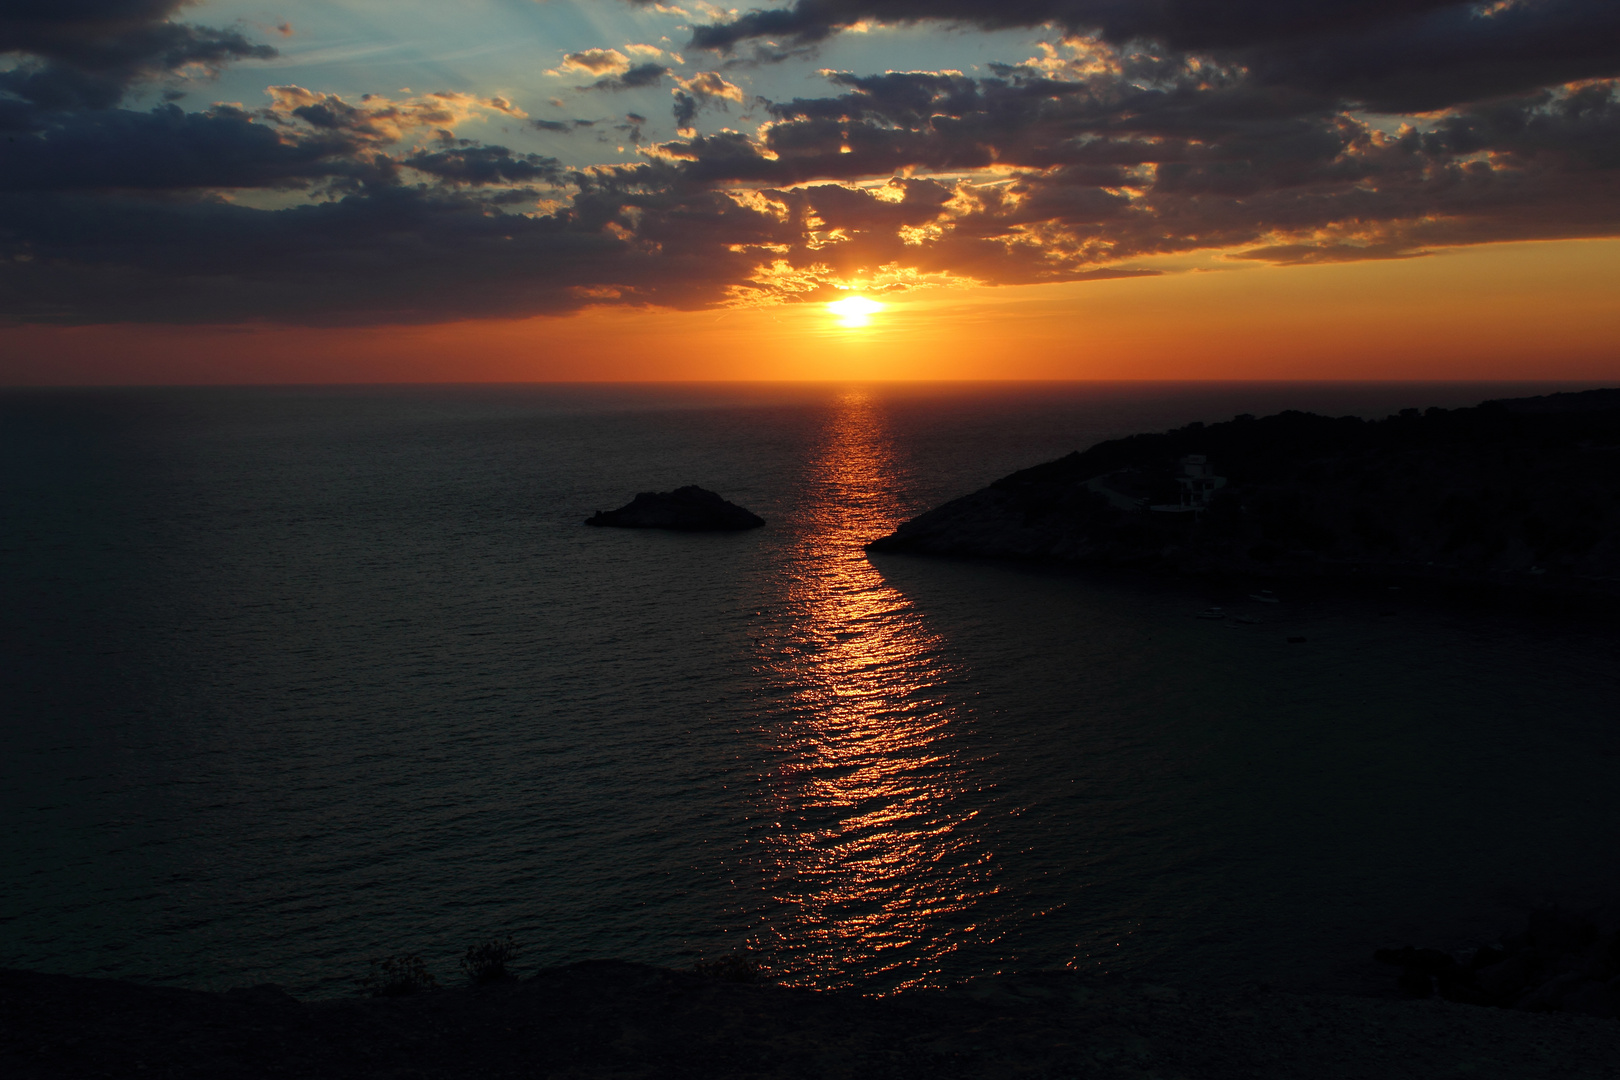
295, 678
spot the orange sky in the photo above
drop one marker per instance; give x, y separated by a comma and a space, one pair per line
1545, 310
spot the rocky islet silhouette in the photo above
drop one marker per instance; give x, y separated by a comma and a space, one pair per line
686, 509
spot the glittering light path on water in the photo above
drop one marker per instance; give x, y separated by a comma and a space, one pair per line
870, 863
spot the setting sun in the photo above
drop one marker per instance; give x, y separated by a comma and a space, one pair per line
854, 310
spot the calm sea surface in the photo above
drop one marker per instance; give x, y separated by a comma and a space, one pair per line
292, 678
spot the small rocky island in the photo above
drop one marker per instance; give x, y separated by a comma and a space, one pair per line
1521, 491
686, 509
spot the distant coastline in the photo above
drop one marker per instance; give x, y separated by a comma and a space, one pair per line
1523, 493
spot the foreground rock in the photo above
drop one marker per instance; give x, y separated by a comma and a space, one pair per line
1525, 492
1562, 962
687, 509
606, 1019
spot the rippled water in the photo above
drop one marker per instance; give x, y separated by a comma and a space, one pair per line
291, 678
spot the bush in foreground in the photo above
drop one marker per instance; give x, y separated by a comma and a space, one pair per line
488, 963
738, 967
398, 976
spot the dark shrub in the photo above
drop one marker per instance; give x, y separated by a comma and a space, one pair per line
738, 967
397, 976
488, 962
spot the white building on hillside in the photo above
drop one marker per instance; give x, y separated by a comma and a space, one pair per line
1198, 484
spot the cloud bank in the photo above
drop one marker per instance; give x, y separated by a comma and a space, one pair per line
1263, 130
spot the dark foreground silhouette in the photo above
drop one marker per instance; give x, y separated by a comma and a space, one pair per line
1563, 961
605, 1019
1522, 492
687, 509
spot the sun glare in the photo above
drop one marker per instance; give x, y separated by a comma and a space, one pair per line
854, 311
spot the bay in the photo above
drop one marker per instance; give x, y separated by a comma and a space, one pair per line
294, 677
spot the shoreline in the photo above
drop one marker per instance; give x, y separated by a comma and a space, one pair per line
1587, 604
610, 1018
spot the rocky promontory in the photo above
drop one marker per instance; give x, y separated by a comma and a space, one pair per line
686, 509
1524, 490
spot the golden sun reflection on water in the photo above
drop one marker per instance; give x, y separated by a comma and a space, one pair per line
874, 869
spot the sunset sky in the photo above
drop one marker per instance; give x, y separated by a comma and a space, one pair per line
360, 190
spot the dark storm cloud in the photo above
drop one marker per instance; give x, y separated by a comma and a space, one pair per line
1581, 129
1389, 54
1181, 21
166, 149
1194, 24
1450, 55
388, 255
86, 53
475, 165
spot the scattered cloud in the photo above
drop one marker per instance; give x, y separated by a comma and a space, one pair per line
595, 62
706, 88
479, 165
710, 84
636, 77
85, 54
1286, 134
379, 120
